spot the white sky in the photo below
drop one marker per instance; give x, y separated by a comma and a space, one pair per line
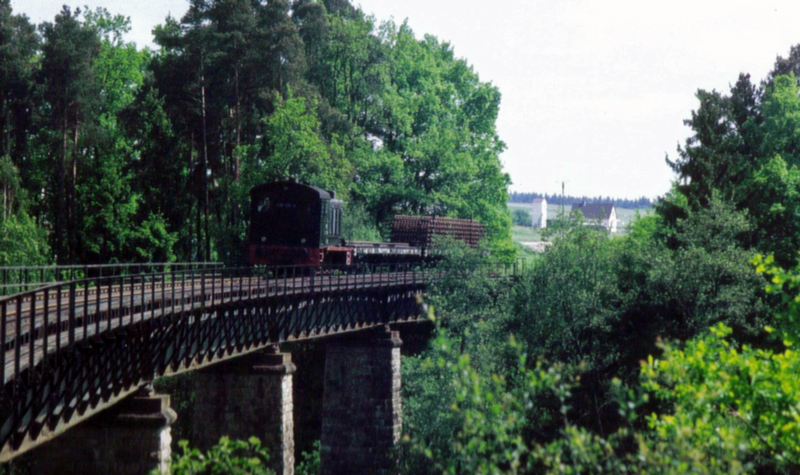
594, 93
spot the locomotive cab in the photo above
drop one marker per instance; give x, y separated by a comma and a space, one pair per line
291, 223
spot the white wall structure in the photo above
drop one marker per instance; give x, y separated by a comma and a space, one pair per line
598, 214
611, 225
539, 213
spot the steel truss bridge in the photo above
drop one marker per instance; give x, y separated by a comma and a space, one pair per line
71, 348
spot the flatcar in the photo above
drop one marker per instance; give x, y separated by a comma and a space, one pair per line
297, 224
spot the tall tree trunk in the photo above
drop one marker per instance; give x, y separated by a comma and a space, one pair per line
5, 127
61, 199
72, 212
237, 161
205, 161
197, 245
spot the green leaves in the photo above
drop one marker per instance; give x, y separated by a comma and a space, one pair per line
228, 457
22, 242
487, 416
732, 402
781, 126
295, 149
127, 145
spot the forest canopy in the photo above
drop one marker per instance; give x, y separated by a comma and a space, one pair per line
119, 154
670, 350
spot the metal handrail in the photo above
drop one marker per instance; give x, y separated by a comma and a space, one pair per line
15, 279
82, 309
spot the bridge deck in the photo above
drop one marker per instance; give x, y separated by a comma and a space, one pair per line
71, 349
109, 308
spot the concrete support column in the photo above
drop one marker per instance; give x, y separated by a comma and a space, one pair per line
362, 408
130, 438
248, 396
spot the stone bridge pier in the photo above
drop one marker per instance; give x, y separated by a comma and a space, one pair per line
131, 438
362, 407
248, 396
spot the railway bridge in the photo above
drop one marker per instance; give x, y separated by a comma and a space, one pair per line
81, 345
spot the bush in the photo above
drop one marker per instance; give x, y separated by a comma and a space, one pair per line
309, 465
708, 406
229, 457
22, 242
521, 217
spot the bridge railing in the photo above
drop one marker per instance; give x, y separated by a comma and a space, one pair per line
38, 324
514, 269
15, 279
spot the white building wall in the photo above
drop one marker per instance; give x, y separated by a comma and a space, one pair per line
613, 220
539, 214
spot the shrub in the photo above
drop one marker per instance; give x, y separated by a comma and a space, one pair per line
229, 457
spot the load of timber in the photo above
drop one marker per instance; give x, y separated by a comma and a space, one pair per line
420, 231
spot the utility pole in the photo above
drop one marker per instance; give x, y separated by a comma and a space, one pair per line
563, 217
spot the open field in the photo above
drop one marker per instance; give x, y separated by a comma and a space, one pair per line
525, 234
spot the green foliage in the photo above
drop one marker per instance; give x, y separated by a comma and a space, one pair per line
309, 465
734, 403
22, 242
721, 407
19, 45
786, 284
744, 152
71, 93
471, 305
781, 114
468, 294
358, 225
482, 422
719, 397
776, 207
595, 308
521, 217
438, 148
13, 195
229, 457
489, 417
294, 148
568, 296
129, 146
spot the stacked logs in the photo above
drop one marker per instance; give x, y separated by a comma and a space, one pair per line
419, 231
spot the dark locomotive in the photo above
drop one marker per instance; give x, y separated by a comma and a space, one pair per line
296, 224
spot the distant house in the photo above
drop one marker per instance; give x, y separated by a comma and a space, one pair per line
539, 214
603, 214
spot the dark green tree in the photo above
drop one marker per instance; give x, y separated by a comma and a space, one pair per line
18, 47
71, 95
710, 158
